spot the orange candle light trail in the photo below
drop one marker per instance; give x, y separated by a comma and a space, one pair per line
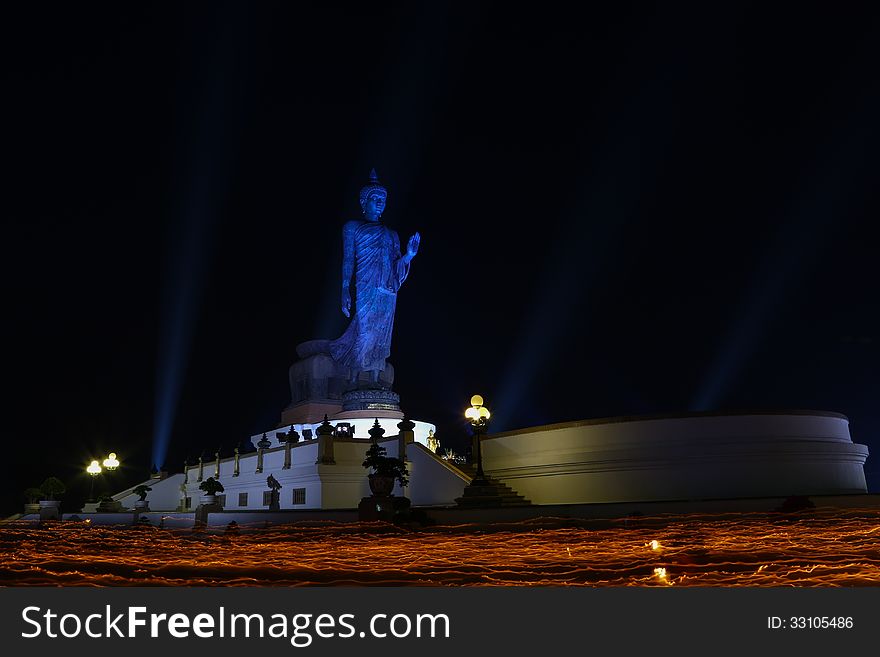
823, 547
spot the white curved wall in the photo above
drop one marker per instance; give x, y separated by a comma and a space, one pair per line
680, 458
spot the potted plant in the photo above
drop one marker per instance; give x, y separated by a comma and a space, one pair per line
386, 469
50, 489
32, 500
141, 491
210, 487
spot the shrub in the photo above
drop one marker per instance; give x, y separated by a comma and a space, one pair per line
386, 466
52, 488
32, 495
211, 486
141, 491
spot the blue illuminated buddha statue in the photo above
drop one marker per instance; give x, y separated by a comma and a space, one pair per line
373, 269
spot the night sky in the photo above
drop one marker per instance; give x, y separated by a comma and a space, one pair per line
630, 209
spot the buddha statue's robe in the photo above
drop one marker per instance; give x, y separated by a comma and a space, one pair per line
373, 264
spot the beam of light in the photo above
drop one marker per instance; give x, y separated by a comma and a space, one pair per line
605, 203
780, 268
822, 548
184, 283
203, 176
820, 204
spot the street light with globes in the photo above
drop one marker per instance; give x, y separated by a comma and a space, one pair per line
94, 470
111, 462
478, 415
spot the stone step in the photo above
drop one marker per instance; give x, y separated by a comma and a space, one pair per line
499, 493
493, 495
489, 501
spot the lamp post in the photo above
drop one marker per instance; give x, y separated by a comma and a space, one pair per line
478, 415
111, 462
94, 470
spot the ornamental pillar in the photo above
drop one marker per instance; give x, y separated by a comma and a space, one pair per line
292, 437
325, 443
262, 446
406, 436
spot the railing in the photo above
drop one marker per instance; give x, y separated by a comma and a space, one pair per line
445, 463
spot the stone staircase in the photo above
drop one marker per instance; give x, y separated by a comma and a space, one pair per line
494, 495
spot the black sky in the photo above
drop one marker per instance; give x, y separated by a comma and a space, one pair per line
629, 208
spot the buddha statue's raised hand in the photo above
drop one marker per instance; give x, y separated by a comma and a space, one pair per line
412, 246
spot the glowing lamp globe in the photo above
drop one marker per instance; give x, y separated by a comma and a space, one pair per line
94, 468
111, 462
477, 413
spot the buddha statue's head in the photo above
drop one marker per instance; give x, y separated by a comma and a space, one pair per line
372, 197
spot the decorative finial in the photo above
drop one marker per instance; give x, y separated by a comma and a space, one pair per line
325, 428
373, 176
264, 442
292, 436
377, 431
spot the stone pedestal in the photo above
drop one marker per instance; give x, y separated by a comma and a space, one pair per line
317, 384
368, 415
202, 511
376, 508
369, 399
309, 412
50, 510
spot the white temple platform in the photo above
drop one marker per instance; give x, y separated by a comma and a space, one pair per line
310, 481
685, 457
682, 459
